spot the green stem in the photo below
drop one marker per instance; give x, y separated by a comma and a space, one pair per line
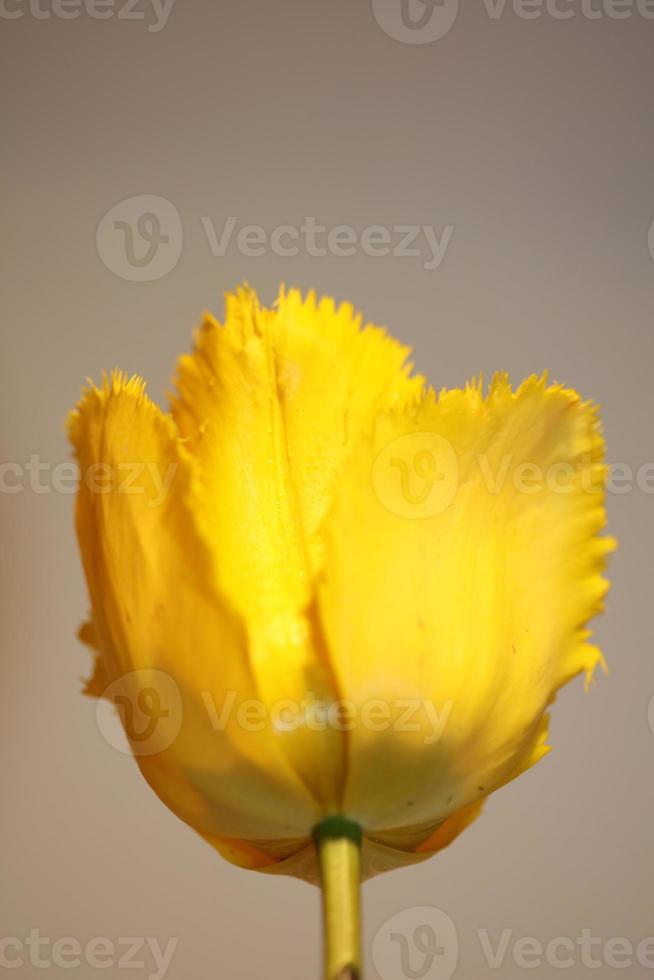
338, 842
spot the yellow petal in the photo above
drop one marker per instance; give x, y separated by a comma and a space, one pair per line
161, 625
269, 405
463, 564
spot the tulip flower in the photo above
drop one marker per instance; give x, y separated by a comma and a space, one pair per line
331, 606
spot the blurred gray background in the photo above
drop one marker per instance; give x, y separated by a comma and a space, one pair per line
530, 139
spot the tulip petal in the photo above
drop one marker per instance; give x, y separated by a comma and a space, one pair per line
158, 621
464, 561
269, 406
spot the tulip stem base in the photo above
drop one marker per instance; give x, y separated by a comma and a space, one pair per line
338, 843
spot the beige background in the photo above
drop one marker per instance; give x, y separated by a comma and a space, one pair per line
534, 140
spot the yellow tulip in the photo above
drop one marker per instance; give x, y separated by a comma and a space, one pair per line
324, 596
